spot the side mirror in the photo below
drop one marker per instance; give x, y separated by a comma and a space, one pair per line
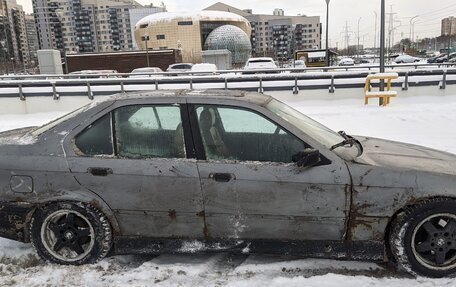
307, 158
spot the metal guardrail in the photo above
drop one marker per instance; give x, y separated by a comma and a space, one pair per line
292, 81
229, 72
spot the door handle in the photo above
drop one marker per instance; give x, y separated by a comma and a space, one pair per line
222, 177
100, 171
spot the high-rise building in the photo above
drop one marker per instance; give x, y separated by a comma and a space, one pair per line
449, 26
32, 37
13, 35
278, 35
79, 26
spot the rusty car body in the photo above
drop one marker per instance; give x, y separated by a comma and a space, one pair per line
189, 171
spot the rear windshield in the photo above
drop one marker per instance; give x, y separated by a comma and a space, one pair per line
57, 121
260, 61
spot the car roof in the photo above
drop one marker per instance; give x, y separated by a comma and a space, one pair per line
251, 97
146, 69
261, 59
178, 64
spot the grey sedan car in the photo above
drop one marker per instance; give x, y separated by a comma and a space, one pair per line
188, 171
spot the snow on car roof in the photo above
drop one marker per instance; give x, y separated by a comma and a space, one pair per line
252, 97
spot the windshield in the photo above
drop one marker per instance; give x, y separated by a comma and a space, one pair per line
57, 121
317, 131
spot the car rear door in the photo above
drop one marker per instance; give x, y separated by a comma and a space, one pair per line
136, 158
251, 187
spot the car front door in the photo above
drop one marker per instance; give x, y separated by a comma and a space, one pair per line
251, 187
135, 158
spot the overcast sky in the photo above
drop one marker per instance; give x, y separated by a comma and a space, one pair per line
341, 12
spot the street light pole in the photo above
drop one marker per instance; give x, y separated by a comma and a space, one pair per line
382, 47
411, 38
375, 31
145, 38
413, 29
327, 29
357, 47
449, 38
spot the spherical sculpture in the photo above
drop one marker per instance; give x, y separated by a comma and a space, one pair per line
233, 39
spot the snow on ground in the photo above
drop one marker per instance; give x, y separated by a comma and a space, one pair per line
421, 120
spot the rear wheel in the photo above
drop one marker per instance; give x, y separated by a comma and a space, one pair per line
423, 238
71, 233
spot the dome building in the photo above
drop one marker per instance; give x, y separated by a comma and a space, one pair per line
190, 33
233, 39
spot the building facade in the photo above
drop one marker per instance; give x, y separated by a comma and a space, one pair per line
187, 32
32, 37
13, 34
83, 26
449, 26
278, 35
139, 13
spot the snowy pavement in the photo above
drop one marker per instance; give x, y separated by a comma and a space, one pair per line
425, 121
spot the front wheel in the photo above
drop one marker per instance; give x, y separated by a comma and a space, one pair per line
423, 238
71, 233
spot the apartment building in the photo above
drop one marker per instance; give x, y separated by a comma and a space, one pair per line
449, 26
81, 26
13, 35
32, 37
278, 35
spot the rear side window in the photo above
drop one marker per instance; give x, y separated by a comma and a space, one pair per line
149, 132
137, 131
96, 139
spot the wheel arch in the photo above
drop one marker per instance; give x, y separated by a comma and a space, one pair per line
94, 202
409, 205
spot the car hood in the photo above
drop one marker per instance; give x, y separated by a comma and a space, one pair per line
385, 153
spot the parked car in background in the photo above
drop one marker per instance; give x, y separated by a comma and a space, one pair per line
263, 63
346, 62
451, 57
452, 60
204, 69
405, 59
359, 61
155, 172
441, 59
145, 72
180, 67
433, 59
299, 64
83, 74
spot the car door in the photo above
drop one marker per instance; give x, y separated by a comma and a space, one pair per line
251, 187
136, 159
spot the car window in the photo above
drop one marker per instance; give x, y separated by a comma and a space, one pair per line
96, 139
232, 133
149, 132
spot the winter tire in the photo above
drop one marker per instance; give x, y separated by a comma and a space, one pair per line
71, 233
423, 238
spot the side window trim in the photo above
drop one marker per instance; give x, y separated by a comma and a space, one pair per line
113, 134
200, 153
190, 147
